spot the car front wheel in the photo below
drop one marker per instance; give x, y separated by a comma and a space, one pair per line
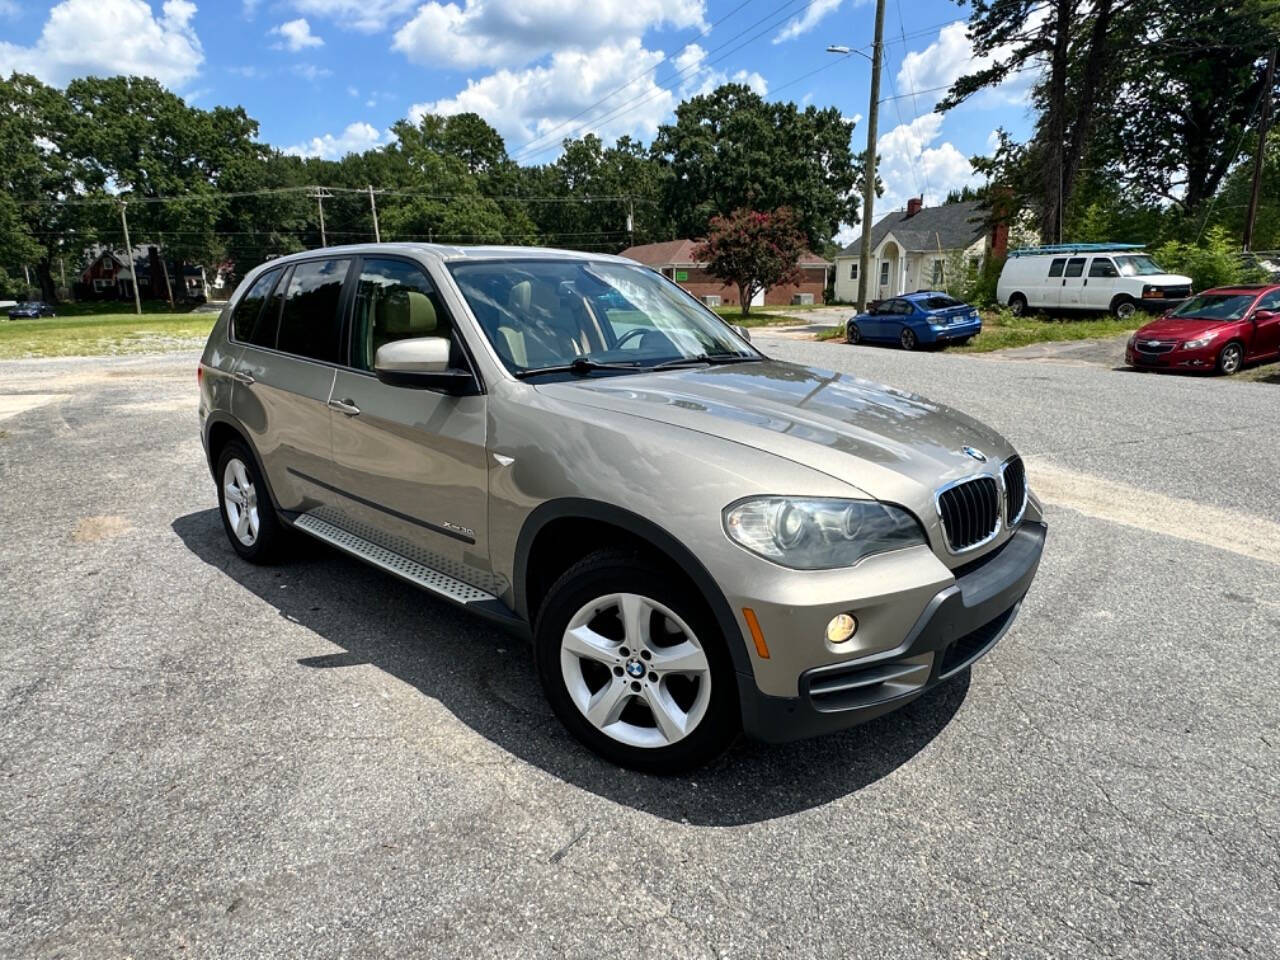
852, 334
634, 665
1230, 359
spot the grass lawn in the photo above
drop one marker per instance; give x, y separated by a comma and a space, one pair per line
1002, 330
758, 317
102, 333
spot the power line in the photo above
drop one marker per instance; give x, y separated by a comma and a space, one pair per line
309, 192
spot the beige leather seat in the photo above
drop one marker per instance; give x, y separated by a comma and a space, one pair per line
399, 315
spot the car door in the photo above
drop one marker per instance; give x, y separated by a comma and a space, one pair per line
1100, 284
1049, 292
411, 463
1266, 329
284, 377
1073, 279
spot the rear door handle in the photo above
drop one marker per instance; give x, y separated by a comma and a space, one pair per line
345, 406
245, 378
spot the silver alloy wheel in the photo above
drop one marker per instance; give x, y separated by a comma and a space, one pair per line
240, 501
637, 670
907, 339
1231, 359
1126, 309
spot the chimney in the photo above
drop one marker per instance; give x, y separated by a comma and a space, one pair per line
914, 205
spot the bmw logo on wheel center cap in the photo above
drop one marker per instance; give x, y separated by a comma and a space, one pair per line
635, 668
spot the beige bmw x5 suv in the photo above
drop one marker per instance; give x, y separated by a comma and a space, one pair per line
698, 540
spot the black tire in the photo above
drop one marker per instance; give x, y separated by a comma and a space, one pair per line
852, 333
1018, 305
268, 544
614, 571
1123, 308
1230, 358
907, 339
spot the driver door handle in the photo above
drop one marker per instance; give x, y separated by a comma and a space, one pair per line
241, 377
345, 406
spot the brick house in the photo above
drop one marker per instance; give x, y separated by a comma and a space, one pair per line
110, 275
675, 259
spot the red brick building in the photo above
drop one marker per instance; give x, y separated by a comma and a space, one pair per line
674, 258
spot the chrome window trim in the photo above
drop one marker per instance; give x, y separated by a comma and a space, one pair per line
937, 506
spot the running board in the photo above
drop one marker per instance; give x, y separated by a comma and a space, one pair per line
420, 575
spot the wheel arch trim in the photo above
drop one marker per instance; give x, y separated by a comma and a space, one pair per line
574, 508
219, 418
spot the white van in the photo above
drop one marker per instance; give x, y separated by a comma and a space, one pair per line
1088, 276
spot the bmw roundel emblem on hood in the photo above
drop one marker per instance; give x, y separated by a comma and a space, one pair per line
975, 453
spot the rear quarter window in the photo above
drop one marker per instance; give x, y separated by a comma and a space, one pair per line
246, 320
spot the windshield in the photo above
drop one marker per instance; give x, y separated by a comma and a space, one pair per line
1215, 306
1137, 266
549, 313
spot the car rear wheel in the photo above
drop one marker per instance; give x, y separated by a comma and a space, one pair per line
852, 334
248, 516
634, 665
907, 339
1230, 359
1018, 305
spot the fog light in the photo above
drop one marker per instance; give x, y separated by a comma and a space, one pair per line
841, 628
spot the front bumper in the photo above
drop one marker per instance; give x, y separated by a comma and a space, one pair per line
960, 624
1200, 358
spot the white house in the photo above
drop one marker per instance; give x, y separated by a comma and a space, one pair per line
914, 249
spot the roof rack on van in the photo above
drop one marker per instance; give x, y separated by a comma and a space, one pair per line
1075, 248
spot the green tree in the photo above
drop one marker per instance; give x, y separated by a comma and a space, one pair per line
730, 150
1214, 261
753, 251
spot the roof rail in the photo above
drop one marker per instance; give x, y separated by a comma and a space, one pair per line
1075, 248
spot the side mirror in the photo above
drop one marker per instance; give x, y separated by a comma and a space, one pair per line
1263, 315
742, 331
422, 363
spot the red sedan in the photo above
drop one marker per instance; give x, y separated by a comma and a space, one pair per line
1221, 329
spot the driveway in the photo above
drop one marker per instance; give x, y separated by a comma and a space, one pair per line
204, 758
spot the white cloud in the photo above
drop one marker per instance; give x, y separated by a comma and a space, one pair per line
109, 37
356, 138
951, 57
515, 32
309, 71
698, 80
909, 166
295, 35
812, 15
367, 16
525, 103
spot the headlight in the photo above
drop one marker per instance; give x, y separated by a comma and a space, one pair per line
819, 534
1199, 342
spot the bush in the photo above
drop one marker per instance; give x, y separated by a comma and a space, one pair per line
980, 288
1214, 262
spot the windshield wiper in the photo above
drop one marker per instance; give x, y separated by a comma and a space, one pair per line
579, 365
704, 358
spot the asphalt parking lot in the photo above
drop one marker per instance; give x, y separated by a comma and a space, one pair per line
203, 758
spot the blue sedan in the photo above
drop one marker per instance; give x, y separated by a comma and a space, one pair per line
924, 317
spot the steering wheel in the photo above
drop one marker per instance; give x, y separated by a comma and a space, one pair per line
630, 335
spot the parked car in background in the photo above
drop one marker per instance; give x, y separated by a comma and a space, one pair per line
927, 317
1096, 277
29, 309
1220, 329
572, 446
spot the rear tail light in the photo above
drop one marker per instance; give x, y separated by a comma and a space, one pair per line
200, 375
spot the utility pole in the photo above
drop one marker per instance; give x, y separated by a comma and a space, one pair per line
373, 208
1263, 122
128, 252
869, 175
320, 197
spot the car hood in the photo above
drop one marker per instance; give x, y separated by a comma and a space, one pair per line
1163, 279
1179, 328
887, 443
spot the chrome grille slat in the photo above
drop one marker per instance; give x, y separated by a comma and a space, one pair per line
1014, 474
970, 512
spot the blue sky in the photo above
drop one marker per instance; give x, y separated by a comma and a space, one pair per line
326, 76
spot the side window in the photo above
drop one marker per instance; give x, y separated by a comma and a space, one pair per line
937, 273
394, 300
1075, 267
246, 325
1055, 268
1102, 267
1270, 301
309, 321
853, 270
884, 273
